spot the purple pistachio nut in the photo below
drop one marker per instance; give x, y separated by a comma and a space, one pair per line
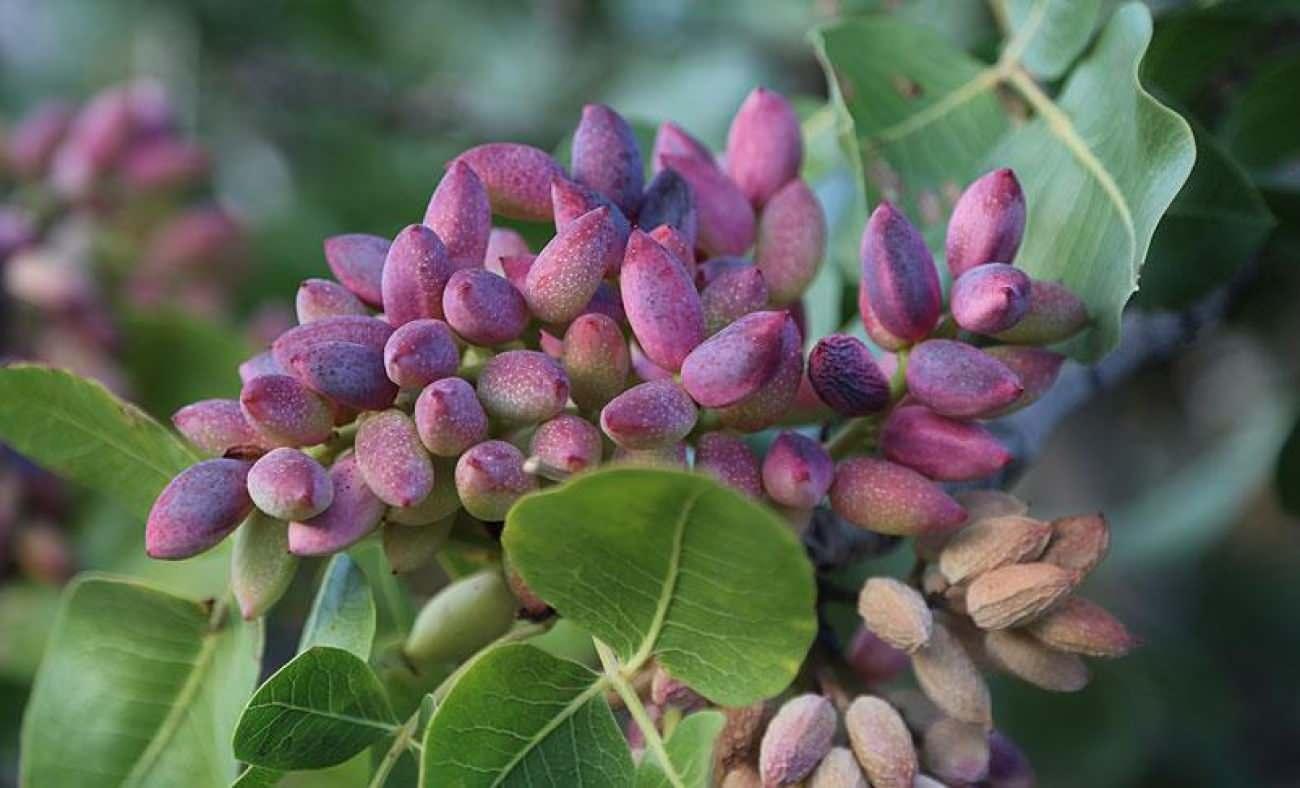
1055, 314
731, 295
197, 509
567, 442
348, 373
289, 485
420, 352
846, 377
392, 460
449, 418
415, 273
797, 471
357, 261
523, 387
573, 200
939, 447
514, 268
262, 364
202, 237
899, 280
990, 298
669, 200
285, 412
216, 426
987, 223
673, 140
483, 308
766, 406
350, 517
607, 301
565, 276
1037, 369
321, 298
460, 214
163, 163
94, 142
873, 660
797, 739
1008, 766
662, 304
596, 360
490, 477
871, 323
726, 219
737, 361
649, 416
671, 238
517, 177
890, 499
607, 158
504, 242
32, 143
791, 241
955, 379
764, 146
729, 459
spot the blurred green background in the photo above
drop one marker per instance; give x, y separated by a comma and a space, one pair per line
327, 117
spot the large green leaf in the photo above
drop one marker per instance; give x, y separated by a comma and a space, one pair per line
343, 613
78, 429
138, 688
672, 565
690, 748
521, 717
319, 710
1100, 162
1058, 32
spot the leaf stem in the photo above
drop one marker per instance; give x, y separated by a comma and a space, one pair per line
400, 743
653, 742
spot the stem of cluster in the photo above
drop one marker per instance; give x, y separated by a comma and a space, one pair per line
403, 739
653, 742
851, 436
536, 466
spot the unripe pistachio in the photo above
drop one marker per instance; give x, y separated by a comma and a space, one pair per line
289, 485
671, 238
514, 268
420, 352
673, 140
320, 298
899, 280
796, 740
642, 367
649, 416
939, 447
572, 200
416, 271
990, 543
1037, 369
891, 499
197, 509
348, 373
881, 742
896, 613
285, 412
956, 379
772, 400
449, 418
737, 361
595, 359
1055, 314
1082, 627
483, 308
797, 471
1016, 594
441, 503
839, 769
668, 200
350, 517
490, 477
715, 267
990, 298
261, 566
358, 329
729, 459
357, 261
950, 679
531, 606
461, 215
517, 178
1030, 660
791, 241
662, 304
726, 219
568, 442
607, 158
1078, 543
262, 364
461, 619
503, 242
607, 301
1008, 766
564, 277
764, 145
732, 295
522, 387
874, 328
873, 660
392, 460
216, 425
846, 377
412, 547
987, 223
955, 751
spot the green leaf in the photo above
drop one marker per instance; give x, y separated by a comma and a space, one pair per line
690, 748
78, 429
520, 717
1060, 29
1288, 471
343, 613
394, 610
320, 709
676, 566
257, 777
1099, 163
138, 688
177, 359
